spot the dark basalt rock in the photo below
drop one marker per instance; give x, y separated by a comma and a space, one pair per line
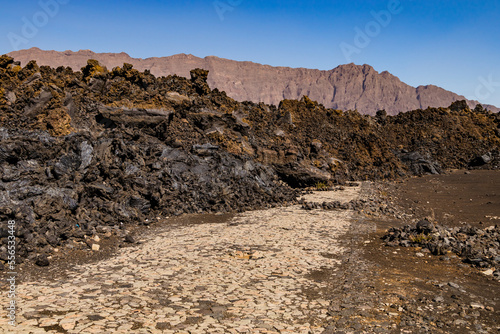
130, 239
419, 164
459, 105
42, 261
302, 176
199, 79
482, 160
87, 152
424, 226
478, 247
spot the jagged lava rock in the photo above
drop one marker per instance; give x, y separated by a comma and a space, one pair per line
345, 87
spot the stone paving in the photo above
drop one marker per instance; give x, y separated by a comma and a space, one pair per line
251, 274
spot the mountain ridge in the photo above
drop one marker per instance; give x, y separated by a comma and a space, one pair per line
344, 87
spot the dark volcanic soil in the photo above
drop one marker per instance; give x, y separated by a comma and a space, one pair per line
471, 197
436, 294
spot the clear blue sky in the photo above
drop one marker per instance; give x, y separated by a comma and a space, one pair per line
453, 44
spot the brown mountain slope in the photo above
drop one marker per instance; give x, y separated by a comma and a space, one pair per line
345, 87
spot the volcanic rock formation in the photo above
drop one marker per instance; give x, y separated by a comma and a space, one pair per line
345, 87
89, 152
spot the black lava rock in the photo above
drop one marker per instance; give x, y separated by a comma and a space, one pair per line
42, 261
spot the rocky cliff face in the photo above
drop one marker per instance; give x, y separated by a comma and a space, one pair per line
345, 87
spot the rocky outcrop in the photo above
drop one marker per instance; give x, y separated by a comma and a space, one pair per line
347, 87
99, 149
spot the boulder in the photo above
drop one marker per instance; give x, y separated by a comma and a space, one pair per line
424, 226
481, 160
42, 261
300, 175
419, 164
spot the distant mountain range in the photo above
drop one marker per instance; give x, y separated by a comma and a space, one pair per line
346, 87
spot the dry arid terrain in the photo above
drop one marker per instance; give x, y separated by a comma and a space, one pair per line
281, 270
162, 205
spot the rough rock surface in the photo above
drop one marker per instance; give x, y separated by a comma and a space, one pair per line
345, 87
281, 270
479, 247
257, 272
80, 151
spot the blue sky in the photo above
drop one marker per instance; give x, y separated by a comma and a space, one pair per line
453, 44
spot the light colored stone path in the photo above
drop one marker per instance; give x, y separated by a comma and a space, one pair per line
250, 275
